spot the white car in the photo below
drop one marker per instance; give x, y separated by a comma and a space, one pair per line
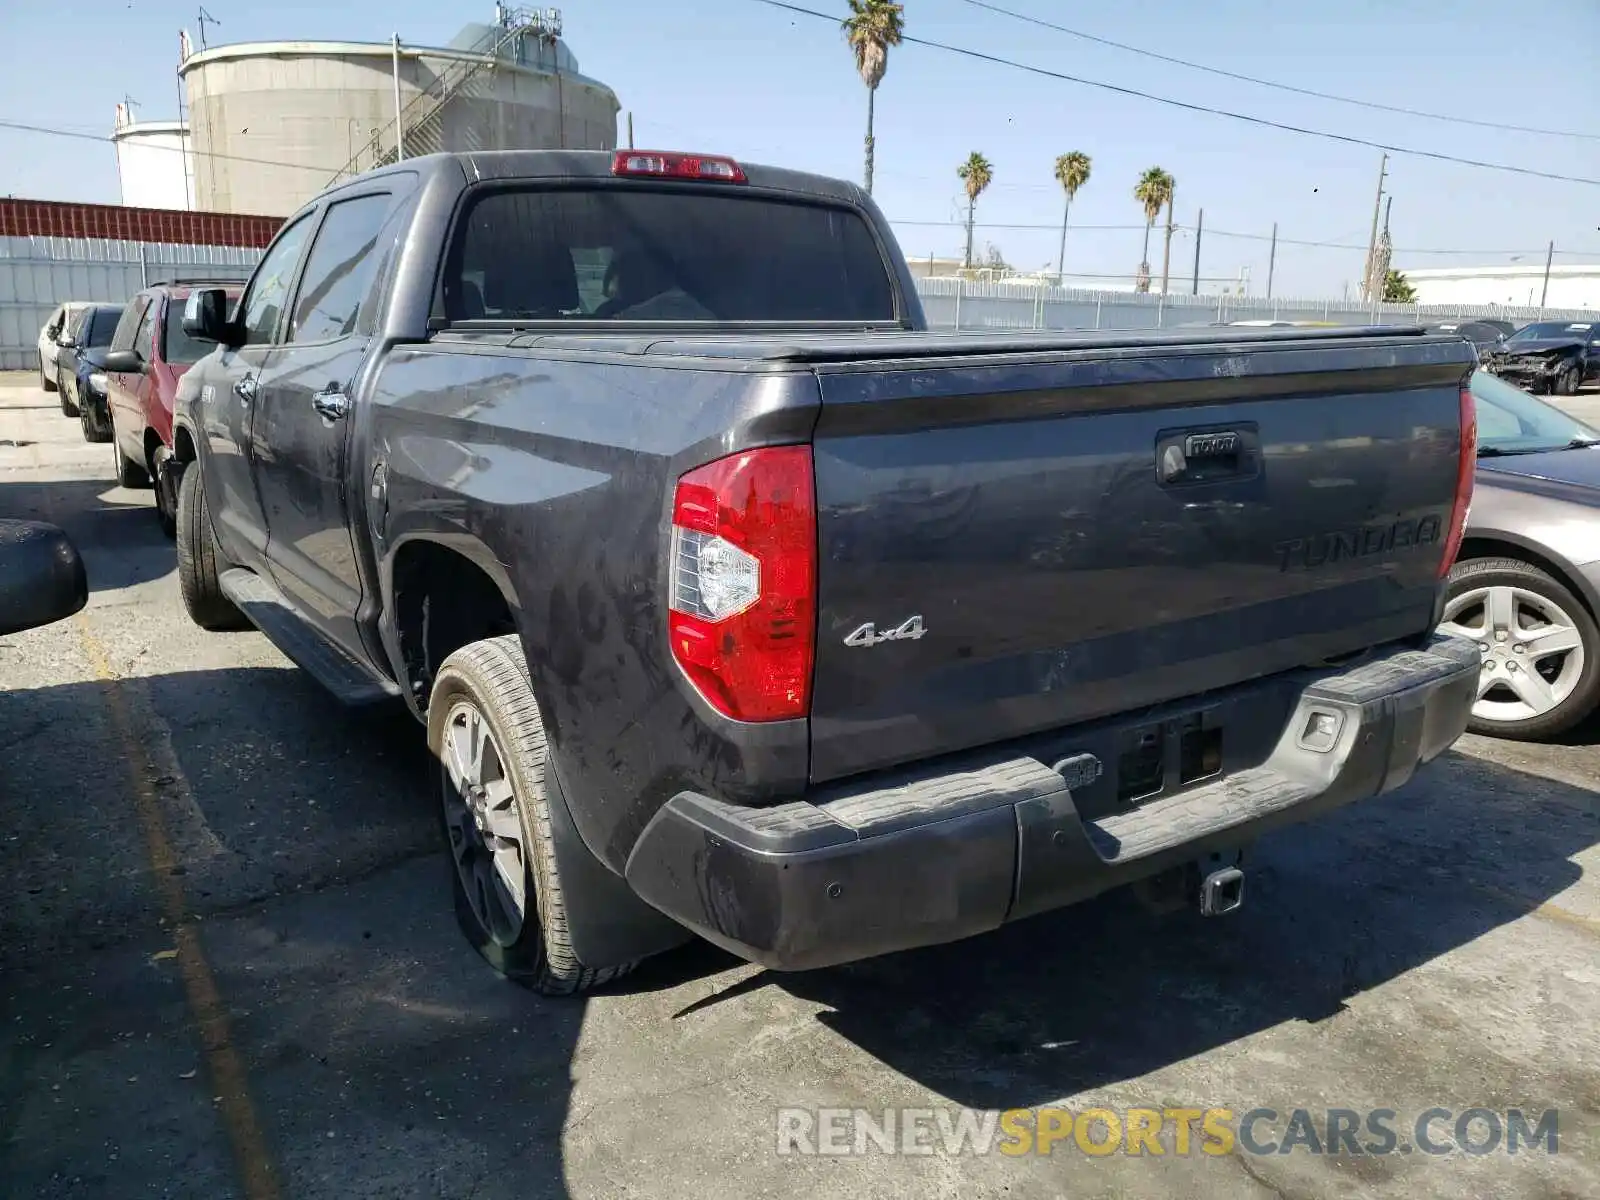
60, 321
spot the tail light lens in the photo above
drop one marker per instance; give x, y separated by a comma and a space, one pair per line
742, 613
1466, 469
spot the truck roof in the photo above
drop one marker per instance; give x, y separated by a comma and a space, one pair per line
480, 165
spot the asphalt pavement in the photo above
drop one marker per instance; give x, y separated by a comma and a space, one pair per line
229, 968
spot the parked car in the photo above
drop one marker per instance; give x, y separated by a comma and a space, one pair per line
42, 579
737, 602
1486, 336
78, 363
149, 354
1551, 357
1526, 587
59, 321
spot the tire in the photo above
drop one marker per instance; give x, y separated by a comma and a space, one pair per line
1569, 665
489, 680
69, 407
129, 473
198, 560
1568, 382
166, 500
46, 383
93, 428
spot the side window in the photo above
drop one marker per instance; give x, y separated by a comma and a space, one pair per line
57, 318
339, 270
145, 340
269, 289
122, 339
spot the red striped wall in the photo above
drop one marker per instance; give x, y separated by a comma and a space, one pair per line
53, 218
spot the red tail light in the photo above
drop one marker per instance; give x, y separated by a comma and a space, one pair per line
1466, 469
669, 165
742, 612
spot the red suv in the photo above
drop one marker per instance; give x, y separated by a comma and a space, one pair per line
149, 353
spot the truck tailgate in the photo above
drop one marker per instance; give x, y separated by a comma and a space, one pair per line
1010, 543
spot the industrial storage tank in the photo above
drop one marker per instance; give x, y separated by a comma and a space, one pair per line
274, 123
155, 168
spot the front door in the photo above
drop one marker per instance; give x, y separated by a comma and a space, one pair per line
229, 397
304, 417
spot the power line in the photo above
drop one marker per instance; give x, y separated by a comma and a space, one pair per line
1054, 227
1286, 87
24, 127
1346, 139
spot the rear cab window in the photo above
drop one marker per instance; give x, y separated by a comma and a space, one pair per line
645, 252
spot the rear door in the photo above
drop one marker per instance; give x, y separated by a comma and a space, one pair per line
1009, 545
304, 415
229, 392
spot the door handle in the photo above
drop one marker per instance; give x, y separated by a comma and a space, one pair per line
245, 388
331, 404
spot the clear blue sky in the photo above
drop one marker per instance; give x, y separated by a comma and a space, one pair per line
738, 77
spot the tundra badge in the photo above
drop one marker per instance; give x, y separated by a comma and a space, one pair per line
908, 630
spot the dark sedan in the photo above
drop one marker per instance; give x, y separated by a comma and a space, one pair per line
78, 363
1556, 357
1526, 585
1486, 336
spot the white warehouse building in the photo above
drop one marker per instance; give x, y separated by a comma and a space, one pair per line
1515, 285
155, 162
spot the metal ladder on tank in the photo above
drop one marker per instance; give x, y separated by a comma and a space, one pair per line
422, 117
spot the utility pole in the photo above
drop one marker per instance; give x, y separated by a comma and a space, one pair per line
399, 125
630, 130
1166, 250
1272, 259
1368, 287
1544, 293
1199, 229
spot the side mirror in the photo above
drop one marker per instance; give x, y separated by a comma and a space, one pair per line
123, 362
42, 579
66, 341
205, 316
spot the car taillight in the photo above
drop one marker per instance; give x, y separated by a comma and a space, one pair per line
742, 610
670, 165
1466, 468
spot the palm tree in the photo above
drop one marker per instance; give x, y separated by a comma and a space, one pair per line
1072, 172
872, 27
1153, 190
977, 174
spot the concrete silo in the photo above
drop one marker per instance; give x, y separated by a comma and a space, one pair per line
155, 165
274, 123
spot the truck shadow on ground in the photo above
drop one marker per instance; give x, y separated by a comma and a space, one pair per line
114, 529
1107, 991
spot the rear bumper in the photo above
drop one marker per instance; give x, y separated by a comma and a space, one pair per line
942, 854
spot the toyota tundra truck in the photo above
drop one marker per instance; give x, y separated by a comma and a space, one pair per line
736, 602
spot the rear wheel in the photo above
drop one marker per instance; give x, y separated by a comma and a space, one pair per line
1540, 648
200, 566
488, 747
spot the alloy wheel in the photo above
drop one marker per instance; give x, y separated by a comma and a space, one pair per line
1533, 655
484, 822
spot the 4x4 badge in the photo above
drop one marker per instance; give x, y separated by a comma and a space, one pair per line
908, 630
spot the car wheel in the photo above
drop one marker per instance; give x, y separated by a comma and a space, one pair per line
200, 564
45, 381
68, 406
166, 498
129, 473
489, 756
1540, 648
1568, 381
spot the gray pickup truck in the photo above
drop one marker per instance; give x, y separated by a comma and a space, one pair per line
736, 602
